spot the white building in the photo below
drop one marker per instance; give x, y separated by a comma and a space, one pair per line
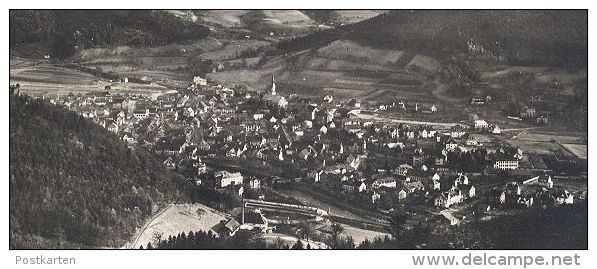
225, 178
506, 164
481, 124
199, 81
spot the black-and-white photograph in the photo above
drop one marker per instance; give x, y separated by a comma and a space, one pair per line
302, 129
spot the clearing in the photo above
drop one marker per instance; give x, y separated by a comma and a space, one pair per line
175, 219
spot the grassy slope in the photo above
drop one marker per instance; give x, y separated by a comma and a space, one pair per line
74, 184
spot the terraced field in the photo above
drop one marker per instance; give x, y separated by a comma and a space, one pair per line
45, 78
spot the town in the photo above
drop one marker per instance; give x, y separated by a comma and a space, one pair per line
262, 146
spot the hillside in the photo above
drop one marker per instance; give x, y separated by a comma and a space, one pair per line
73, 184
521, 37
58, 31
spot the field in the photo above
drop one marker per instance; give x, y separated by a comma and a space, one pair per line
579, 151
223, 18
175, 219
351, 16
547, 137
572, 144
175, 49
344, 69
280, 22
359, 235
233, 48
46, 78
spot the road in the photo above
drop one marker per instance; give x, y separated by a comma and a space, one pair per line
442, 125
141, 231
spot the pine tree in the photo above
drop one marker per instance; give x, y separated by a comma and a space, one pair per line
297, 245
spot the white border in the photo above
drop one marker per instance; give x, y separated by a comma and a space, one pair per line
275, 259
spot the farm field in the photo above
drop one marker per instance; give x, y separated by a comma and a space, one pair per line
50, 79
175, 49
579, 151
233, 49
175, 219
536, 147
547, 137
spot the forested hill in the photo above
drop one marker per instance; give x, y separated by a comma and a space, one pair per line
522, 37
73, 184
61, 30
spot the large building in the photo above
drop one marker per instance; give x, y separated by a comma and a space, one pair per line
273, 98
225, 178
506, 164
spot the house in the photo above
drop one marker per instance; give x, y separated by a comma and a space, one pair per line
170, 146
541, 180
402, 194
389, 182
564, 197
201, 168
253, 183
112, 127
141, 113
402, 169
226, 228
352, 123
467, 190
448, 198
375, 197
527, 112
169, 163
127, 137
481, 124
496, 130
477, 101
254, 220
441, 160
354, 161
412, 186
353, 186
199, 81
457, 131
323, 130
315, 175
450, 218
225, 178
451, 145
542, 120
418, 157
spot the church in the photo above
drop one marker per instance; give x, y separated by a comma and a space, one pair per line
273, 99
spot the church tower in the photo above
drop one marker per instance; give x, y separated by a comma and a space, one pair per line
273, 85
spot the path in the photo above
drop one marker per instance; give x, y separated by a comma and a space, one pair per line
145, 226
445, 125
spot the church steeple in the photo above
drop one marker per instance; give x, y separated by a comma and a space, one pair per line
273, 85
